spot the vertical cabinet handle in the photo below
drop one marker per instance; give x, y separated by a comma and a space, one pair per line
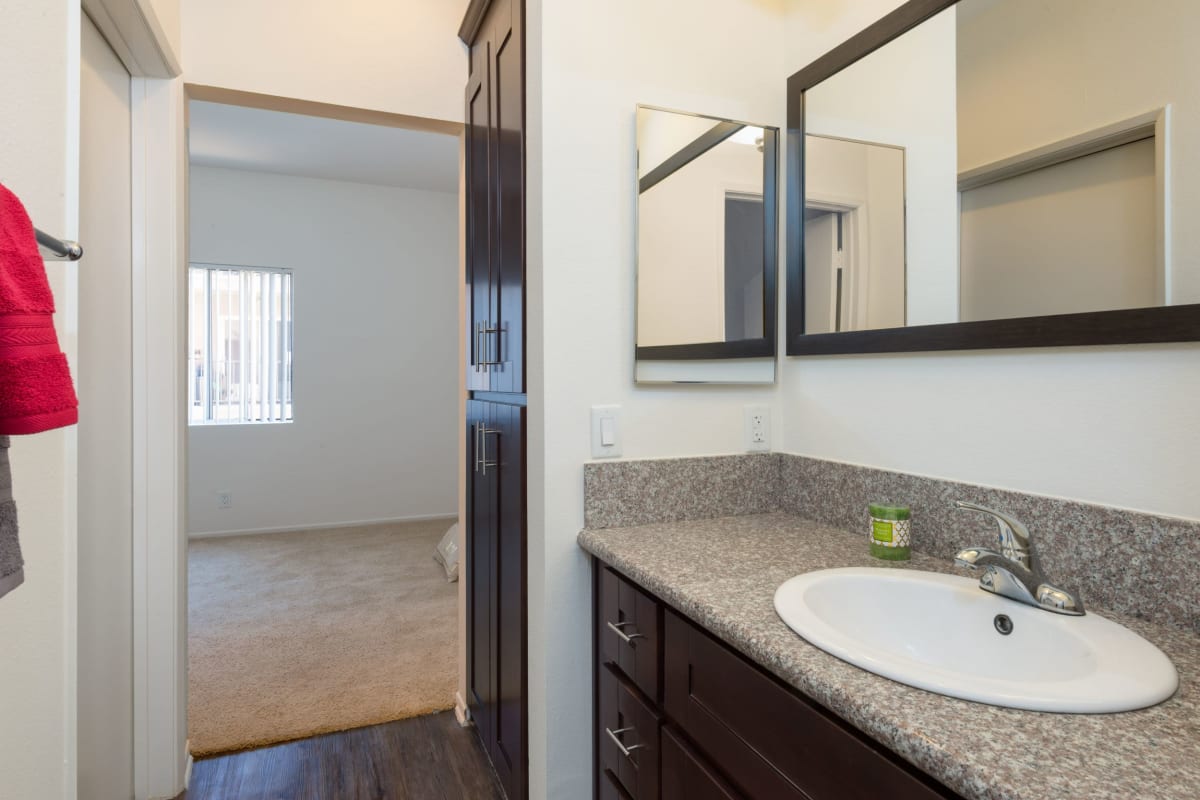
482, 350
478, 353
628, 638
481, 459
626, 750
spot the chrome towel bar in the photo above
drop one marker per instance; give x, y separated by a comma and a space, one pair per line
71, 251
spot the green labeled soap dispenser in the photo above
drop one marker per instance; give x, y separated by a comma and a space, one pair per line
891, 532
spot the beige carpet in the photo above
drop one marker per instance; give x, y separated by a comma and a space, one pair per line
306, 632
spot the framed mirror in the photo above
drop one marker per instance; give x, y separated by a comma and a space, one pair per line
970, 174
707, 248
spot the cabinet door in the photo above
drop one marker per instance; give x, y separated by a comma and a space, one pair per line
495, 570
479, 568
769, 741
508, 595
508, 148
687, 776
495, 181
479, 207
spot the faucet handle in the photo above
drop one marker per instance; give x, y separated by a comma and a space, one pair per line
1015, 541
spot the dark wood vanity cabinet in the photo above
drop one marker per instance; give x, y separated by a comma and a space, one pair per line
682, 716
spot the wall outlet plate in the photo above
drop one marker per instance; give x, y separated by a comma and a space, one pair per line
758, 428
606, 431
225, 499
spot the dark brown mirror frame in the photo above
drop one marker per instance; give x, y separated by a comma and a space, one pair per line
743, 348
1179, 323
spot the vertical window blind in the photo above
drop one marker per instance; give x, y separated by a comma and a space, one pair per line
240, 344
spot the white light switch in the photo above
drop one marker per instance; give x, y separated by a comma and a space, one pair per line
606, 431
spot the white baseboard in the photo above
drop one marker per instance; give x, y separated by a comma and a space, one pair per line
322, 526
187, 771
461, 712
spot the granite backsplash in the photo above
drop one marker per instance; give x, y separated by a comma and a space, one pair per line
1139, 564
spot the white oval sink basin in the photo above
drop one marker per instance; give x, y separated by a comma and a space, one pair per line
939, 632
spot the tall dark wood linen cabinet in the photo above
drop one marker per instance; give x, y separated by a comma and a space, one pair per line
495, 564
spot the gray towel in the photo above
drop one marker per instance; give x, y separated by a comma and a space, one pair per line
12, 566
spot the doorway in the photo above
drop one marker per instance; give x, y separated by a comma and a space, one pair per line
323, 385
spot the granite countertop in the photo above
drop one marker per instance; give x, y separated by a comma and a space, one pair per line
722, 573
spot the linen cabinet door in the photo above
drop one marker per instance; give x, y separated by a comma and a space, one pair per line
479, 568
480, 212
509, 644
506, 71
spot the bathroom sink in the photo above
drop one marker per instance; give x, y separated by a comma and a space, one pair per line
942, 633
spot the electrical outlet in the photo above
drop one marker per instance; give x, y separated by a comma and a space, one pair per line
758, 428
225, 499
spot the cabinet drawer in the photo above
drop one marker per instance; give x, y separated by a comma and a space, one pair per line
628, 731
685, 774
770, 742
629, 625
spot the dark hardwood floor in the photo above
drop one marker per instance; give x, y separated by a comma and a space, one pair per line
424, 758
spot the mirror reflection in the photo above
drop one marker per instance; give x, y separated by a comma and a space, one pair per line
1046, 135
705, 196
853, 235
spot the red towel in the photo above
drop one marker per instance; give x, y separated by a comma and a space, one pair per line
35, 383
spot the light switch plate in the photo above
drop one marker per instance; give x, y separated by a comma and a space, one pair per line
606, 427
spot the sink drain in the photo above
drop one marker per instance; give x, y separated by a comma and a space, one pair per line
1003, 624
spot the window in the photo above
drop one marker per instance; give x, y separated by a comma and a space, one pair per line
240, 367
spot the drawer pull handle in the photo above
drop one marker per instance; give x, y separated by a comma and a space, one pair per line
616, 738
625, 637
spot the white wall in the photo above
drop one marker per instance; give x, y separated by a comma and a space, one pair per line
1110, 425
39, 139
581, 289
168, 14
402, 57
376, 336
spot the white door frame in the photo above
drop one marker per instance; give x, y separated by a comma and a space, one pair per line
159, 349
858, 265
158, 237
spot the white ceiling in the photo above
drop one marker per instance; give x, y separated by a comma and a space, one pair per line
293, 144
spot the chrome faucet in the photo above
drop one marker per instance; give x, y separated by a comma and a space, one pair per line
1011, 570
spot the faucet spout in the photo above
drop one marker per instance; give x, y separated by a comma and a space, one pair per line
1014, 539
1015, 574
